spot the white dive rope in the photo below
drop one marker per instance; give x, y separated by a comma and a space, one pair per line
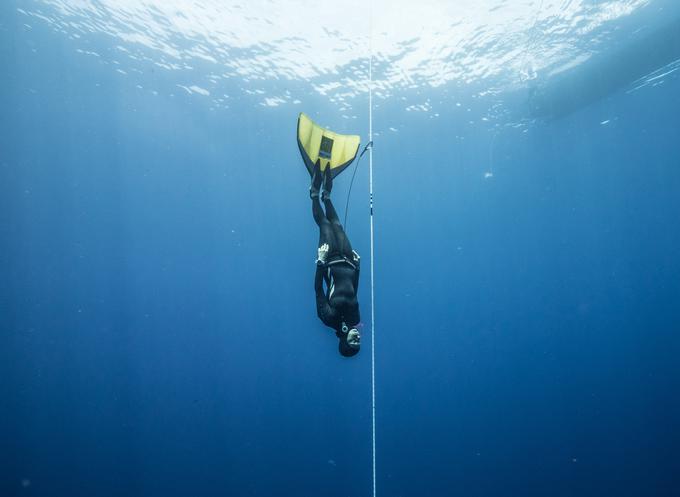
370, 193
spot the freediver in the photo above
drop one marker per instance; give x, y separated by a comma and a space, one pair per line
337, 265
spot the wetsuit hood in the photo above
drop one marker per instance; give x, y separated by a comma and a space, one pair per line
344, 348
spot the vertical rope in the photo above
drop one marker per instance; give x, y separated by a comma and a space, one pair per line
370, 193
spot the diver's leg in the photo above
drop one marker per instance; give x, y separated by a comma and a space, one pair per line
317, 178
317, 212
326, 232
331, 213
326, 235
344, 246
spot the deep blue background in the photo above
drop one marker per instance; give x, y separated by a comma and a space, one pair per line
157, 327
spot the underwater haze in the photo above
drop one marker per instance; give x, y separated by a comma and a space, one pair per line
158, 329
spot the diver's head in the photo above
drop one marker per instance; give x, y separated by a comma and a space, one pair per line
350, 341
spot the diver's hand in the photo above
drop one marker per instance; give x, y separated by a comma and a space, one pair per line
322, 254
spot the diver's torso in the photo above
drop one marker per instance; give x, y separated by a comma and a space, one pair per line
342, 295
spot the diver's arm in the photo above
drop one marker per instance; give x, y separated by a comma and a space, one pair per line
323, 309
318, 282
355, 276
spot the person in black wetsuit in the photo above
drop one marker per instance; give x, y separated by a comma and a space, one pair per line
337, 266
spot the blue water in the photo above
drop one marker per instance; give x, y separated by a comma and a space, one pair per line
158, 334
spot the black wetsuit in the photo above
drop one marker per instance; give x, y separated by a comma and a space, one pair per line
338, 303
